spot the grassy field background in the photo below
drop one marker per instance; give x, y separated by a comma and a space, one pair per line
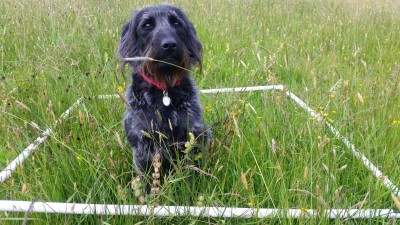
341, 57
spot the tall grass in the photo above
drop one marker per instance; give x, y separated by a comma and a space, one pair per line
341, 57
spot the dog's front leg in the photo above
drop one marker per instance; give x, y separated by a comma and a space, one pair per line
142, 156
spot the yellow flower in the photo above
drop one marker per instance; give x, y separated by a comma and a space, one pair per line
331, 96
208, 108
312, 118
333, 111
325, 114
304, 210
120, 89
251, 204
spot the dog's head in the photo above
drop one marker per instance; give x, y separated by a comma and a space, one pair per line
165, 34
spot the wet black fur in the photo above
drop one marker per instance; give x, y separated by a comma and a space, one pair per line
150, 126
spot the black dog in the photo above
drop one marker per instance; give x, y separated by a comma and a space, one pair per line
164, 101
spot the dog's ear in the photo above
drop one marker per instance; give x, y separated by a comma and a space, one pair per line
128, 45
125, 29
193, 45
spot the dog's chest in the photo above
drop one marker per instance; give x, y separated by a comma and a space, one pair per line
160, 116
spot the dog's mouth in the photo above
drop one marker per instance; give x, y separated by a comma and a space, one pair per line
170, 63
167, 68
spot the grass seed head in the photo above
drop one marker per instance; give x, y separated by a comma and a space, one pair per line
156, 175
273, 146
396, 201
360, 98
305, 176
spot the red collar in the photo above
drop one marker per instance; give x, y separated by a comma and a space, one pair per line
159, 85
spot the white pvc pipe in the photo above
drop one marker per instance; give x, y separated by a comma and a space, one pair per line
242, 89
219, 90
375, 170
206, 211
72, 107
10, 168
143, 210
107, 96
6, 173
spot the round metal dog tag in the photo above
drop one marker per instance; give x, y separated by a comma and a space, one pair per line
166, 101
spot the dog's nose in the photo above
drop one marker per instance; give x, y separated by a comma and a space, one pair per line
169, 45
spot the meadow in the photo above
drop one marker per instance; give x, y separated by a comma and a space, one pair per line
340, 57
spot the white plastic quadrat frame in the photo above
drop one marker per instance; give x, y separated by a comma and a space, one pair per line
141, 210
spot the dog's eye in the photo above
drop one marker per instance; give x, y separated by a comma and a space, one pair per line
174, 21
147, 25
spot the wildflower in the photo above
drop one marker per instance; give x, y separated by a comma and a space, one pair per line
251, 204
312, 118
304, 210
325, 114
333, 111
120, 89
331, 96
